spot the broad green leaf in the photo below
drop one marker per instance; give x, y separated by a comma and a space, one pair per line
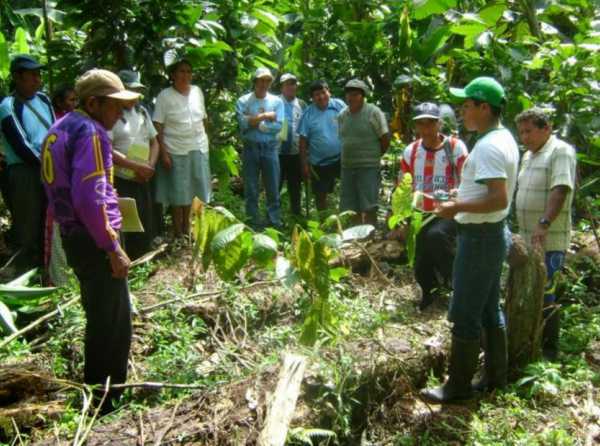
432, 44
7, 321
322, 254
21, 46
411, 242
54, 15
425, 8
4, 58
402, 200
231, 248
207, 223
334, 241
336, 274
303, 252
492, 13
285, 272
23, 279
357, 232
470, 29
310, 328
266, 17
24, 291
264, 249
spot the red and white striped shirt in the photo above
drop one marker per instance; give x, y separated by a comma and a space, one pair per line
431, 170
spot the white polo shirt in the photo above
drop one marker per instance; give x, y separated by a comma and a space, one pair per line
495, 156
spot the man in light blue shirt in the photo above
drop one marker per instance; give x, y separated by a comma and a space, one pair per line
25, 117
260, 116
320, 146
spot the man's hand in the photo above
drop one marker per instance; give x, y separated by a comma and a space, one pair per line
538, 238
119, 263
446, 209
269, 116
143, 172
166, 160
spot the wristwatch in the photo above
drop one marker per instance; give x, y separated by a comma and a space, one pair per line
544, 222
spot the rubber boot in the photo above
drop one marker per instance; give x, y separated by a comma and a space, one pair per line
462, 367
550, 333
495, 361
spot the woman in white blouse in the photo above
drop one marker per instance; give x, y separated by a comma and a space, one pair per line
184, 170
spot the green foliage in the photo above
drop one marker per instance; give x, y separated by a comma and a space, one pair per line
16, 297
208, 222
402, 202
231, 248
310, 436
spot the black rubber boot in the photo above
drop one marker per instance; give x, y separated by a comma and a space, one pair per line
550, 333
495, 361
463, 364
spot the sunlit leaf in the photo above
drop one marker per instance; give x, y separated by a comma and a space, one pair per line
7, 321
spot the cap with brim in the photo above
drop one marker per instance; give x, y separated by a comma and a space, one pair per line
426, 110
98, 82
288, 77
262, 72
130, 78
24, 62
485, 89
357, 84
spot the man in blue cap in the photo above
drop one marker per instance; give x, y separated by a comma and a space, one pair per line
485, 193
25, 117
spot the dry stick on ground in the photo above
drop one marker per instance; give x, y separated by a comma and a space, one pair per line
282, 406
157, 385
161, 435
141, 441
374, 263
37, 322
153, 307
148, 256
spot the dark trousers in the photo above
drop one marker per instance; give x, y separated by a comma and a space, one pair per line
435, 250
105, 301
291, 172
138, 243
28, 202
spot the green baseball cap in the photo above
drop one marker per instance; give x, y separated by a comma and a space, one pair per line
485, 89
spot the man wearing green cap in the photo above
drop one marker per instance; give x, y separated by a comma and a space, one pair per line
488, 182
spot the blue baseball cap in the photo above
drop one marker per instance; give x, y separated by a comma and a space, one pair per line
24, 62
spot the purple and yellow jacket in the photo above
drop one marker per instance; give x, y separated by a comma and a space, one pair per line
77, 174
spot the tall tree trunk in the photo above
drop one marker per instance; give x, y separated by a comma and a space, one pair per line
524, 304
528, 8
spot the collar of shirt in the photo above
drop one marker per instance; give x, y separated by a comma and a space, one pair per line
547, 145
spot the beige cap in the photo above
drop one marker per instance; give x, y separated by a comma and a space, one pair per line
357, 84
262, 72
98, 82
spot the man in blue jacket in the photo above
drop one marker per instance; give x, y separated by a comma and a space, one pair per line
25, 117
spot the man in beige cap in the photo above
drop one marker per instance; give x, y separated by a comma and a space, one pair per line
260, 115
77, 174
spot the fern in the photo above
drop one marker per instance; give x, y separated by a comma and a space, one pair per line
308, 436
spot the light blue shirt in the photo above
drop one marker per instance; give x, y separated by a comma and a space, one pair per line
320, 128
249, 105
293, 113
30, 129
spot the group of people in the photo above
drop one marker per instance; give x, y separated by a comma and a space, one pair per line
63, 168
287, 141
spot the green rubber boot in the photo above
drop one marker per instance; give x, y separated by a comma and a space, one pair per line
462, 367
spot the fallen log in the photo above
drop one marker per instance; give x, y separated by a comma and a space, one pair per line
283, 403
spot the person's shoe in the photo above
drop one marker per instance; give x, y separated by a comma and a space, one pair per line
551, 333
463, 363
495, 362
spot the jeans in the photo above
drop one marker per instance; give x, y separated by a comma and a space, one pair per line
105, 301
261, 158
554, 262
435, 249
481, 250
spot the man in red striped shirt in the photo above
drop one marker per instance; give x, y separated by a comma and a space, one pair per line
434, 161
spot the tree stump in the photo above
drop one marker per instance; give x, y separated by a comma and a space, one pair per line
524, 304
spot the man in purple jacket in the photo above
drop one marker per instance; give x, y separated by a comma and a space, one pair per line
77, 174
